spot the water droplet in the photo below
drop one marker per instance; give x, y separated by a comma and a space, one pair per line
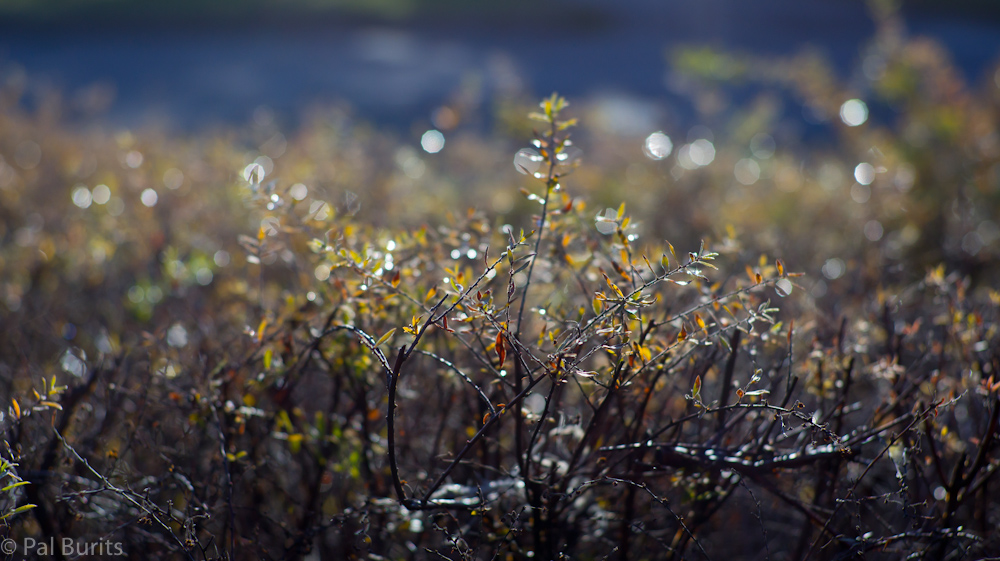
527, 161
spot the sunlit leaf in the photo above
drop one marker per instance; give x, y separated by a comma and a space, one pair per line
18, 510
500, 348
388, 335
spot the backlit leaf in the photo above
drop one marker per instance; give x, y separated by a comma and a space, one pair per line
386, 337
500, 349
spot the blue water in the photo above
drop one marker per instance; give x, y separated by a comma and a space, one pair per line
396, 75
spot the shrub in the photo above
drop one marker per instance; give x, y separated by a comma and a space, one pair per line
541, 385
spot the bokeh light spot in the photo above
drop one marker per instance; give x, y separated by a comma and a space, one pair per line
81, 196
432, 141
298, 191
527, 161
657, 146
834, 268
747, 171
149, 198
864, 173
101, 194
854, 112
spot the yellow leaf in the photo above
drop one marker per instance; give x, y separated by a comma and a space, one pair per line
781, 267
700, 322
386, 337
17, 408
645, 354
682, 335
621, 211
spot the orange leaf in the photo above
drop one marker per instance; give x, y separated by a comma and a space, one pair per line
501, 350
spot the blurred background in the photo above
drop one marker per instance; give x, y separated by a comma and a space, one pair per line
187, 64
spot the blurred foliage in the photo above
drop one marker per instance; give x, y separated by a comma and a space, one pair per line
260, 343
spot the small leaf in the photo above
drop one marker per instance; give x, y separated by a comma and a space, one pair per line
388, 335
696, 388
665, 262
645, 354
682, 335
17, 408
780, 266
18, 510
14, 485
758, 278
621, 211
395, 280
699, 321
501, 350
